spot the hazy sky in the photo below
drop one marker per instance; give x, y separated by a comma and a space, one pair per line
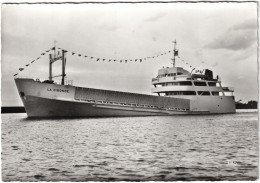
218, 36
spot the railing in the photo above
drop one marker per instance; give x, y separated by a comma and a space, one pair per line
155, 79
56, 81
125, 104
170, 78
228, 89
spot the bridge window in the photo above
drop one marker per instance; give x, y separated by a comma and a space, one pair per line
203, 93
200, 83
212, 83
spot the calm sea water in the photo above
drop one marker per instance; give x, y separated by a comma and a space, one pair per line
210, 147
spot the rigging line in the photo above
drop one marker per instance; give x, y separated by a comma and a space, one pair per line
27, 65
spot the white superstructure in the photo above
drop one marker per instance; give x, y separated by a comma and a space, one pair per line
205, 92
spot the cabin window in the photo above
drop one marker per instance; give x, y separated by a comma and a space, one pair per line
189, 93
212, 83
185, 83
215, 93
203, 93
200, 83
181, 93
179, 73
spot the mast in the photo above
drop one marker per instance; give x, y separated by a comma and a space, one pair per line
175, 53
63, 67
55, 57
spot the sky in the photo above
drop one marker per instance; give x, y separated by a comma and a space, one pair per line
218, 36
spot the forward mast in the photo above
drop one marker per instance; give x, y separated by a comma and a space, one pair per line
57, 56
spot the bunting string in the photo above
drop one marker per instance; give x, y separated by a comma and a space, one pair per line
105, 59
27, 65
73, 53
190, 66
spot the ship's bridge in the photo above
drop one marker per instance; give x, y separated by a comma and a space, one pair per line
171, 73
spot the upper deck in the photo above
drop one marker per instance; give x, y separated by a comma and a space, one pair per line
179, 74
176, 81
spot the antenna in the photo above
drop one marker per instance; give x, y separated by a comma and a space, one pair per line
175, 52
55, 42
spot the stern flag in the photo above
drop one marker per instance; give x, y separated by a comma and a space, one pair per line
135, 60
176, 52
140, 60
72, 53
104, 59
27, 65
97, 59
79, 55
20, 69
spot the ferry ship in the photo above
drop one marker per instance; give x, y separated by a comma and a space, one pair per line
176, 91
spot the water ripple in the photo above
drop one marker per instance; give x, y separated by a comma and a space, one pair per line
169, 148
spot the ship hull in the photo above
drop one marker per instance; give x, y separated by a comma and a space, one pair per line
43, 107
52, 100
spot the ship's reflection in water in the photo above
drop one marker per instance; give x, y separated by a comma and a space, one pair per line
213, 147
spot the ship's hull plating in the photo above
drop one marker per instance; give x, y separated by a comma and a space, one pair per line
42, 107
51, 100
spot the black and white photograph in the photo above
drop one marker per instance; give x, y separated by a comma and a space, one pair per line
129, 91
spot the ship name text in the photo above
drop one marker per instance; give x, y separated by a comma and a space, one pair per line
57, 90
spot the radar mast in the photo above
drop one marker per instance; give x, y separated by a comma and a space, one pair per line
175, 53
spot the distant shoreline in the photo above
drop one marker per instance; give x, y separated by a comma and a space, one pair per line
13, 109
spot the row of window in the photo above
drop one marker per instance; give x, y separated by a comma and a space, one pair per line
192, 93
169, 75
189, 83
